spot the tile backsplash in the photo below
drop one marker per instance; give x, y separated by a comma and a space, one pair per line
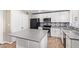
75, 28
57, 24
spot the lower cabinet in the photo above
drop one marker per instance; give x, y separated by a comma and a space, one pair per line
23, 43
75, 43
32, 44
40, 28
68, 42
56, 32
42, 44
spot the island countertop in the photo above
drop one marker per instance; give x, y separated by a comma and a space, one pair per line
72, 34
30, 34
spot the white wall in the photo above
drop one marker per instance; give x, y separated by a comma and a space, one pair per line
55, 17
74, 18
1, 26
19, 20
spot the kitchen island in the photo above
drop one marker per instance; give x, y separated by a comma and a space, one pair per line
70, 38
31, 38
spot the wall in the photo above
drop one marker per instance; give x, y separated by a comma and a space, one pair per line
19, 20
6, 23
55, 17
74, 18
1, 25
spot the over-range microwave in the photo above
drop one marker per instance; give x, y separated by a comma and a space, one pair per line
47, 20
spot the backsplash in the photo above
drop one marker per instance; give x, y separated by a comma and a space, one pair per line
57, 24
60, 24
74, 28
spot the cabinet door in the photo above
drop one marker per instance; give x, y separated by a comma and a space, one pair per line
32, 44
19, 21
68, 42
25, 22
75, 43
62, 36
44, 42
40, 28
55, 32
58, 32
61, 17
21, 43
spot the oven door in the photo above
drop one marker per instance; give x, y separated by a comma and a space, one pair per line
46, 28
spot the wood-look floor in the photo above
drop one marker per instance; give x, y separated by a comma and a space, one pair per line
53, 42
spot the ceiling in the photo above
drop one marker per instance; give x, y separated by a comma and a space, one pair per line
42, 11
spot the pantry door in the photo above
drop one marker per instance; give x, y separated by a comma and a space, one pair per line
19, 20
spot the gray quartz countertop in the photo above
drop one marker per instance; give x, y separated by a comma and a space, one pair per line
30, 34
58, 27
72, 34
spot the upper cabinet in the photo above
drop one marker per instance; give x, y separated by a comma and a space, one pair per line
55, 16
60, 17
74, 18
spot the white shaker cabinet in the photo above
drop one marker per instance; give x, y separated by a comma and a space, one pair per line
68, 42
55, 17
22, 43
56, 32
72, 43
19, 21
41, 28
60, 17
75, 43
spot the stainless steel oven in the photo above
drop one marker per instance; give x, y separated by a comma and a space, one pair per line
46, 27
